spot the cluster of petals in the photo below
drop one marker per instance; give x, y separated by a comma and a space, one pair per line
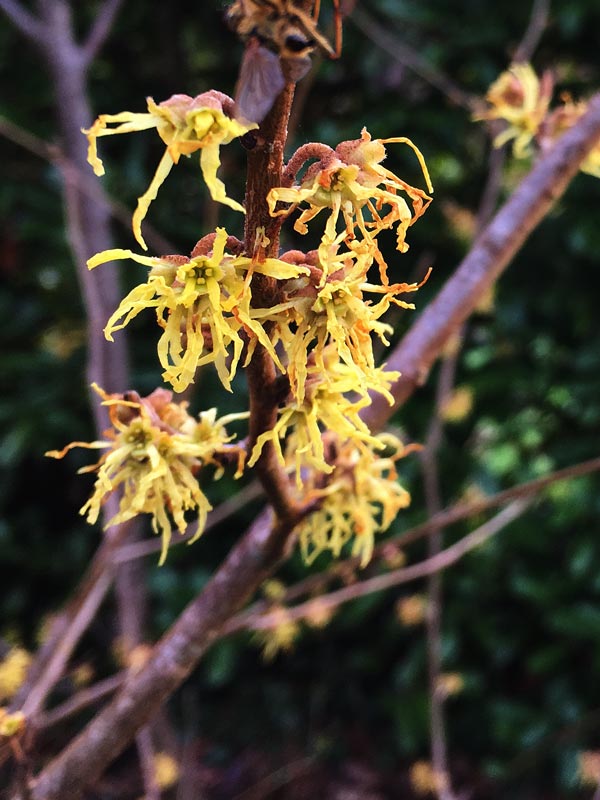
350, 182
331, 307
522, 100
186, 125
153, 452
202, 304
324, 316
362, 498
327, 405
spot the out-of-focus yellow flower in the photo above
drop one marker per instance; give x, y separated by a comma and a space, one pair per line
349, 183
589, 767
462, 221
318, 615
458, 405
361, 499
425, 780
82, 675
449, 683
154, 450
13, 669
186, 125
273, 589
486, 303
279, 636
412, 610
203, 306
11, 724
166, 770
392, 556
520, 98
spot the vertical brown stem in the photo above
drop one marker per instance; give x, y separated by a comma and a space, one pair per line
265, 166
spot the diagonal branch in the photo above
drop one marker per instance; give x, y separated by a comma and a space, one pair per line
100, 30
411, 58
538, 22
26, 22
431, 566
449, 516
173, 658
489, 257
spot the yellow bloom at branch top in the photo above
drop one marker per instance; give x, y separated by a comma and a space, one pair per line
361, 499
153, 452
520, 98
186, 125
351, 181
203, 306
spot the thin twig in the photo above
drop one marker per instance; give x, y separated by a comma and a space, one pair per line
84, 180
27, 23
538, 22
443, 560
56, 664
411, 58
277, 779
433, 501
461, 511
80, 701
100, 30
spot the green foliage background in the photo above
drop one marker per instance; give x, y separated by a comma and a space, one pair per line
521, 616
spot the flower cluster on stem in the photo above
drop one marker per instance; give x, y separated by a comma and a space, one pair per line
302, 322
523, 100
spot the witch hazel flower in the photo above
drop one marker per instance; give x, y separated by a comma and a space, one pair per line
350, 182
360, 499
522, 100
186, 125
153, 453
331, 306
329, 404
202, 305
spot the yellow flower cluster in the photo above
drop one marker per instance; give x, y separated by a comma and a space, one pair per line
154, 451
186, 125
361, 498
318, 331
523, 100
13, 669
325, 324
279, 637
203, 306
11, 724
350, 182
426, 780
